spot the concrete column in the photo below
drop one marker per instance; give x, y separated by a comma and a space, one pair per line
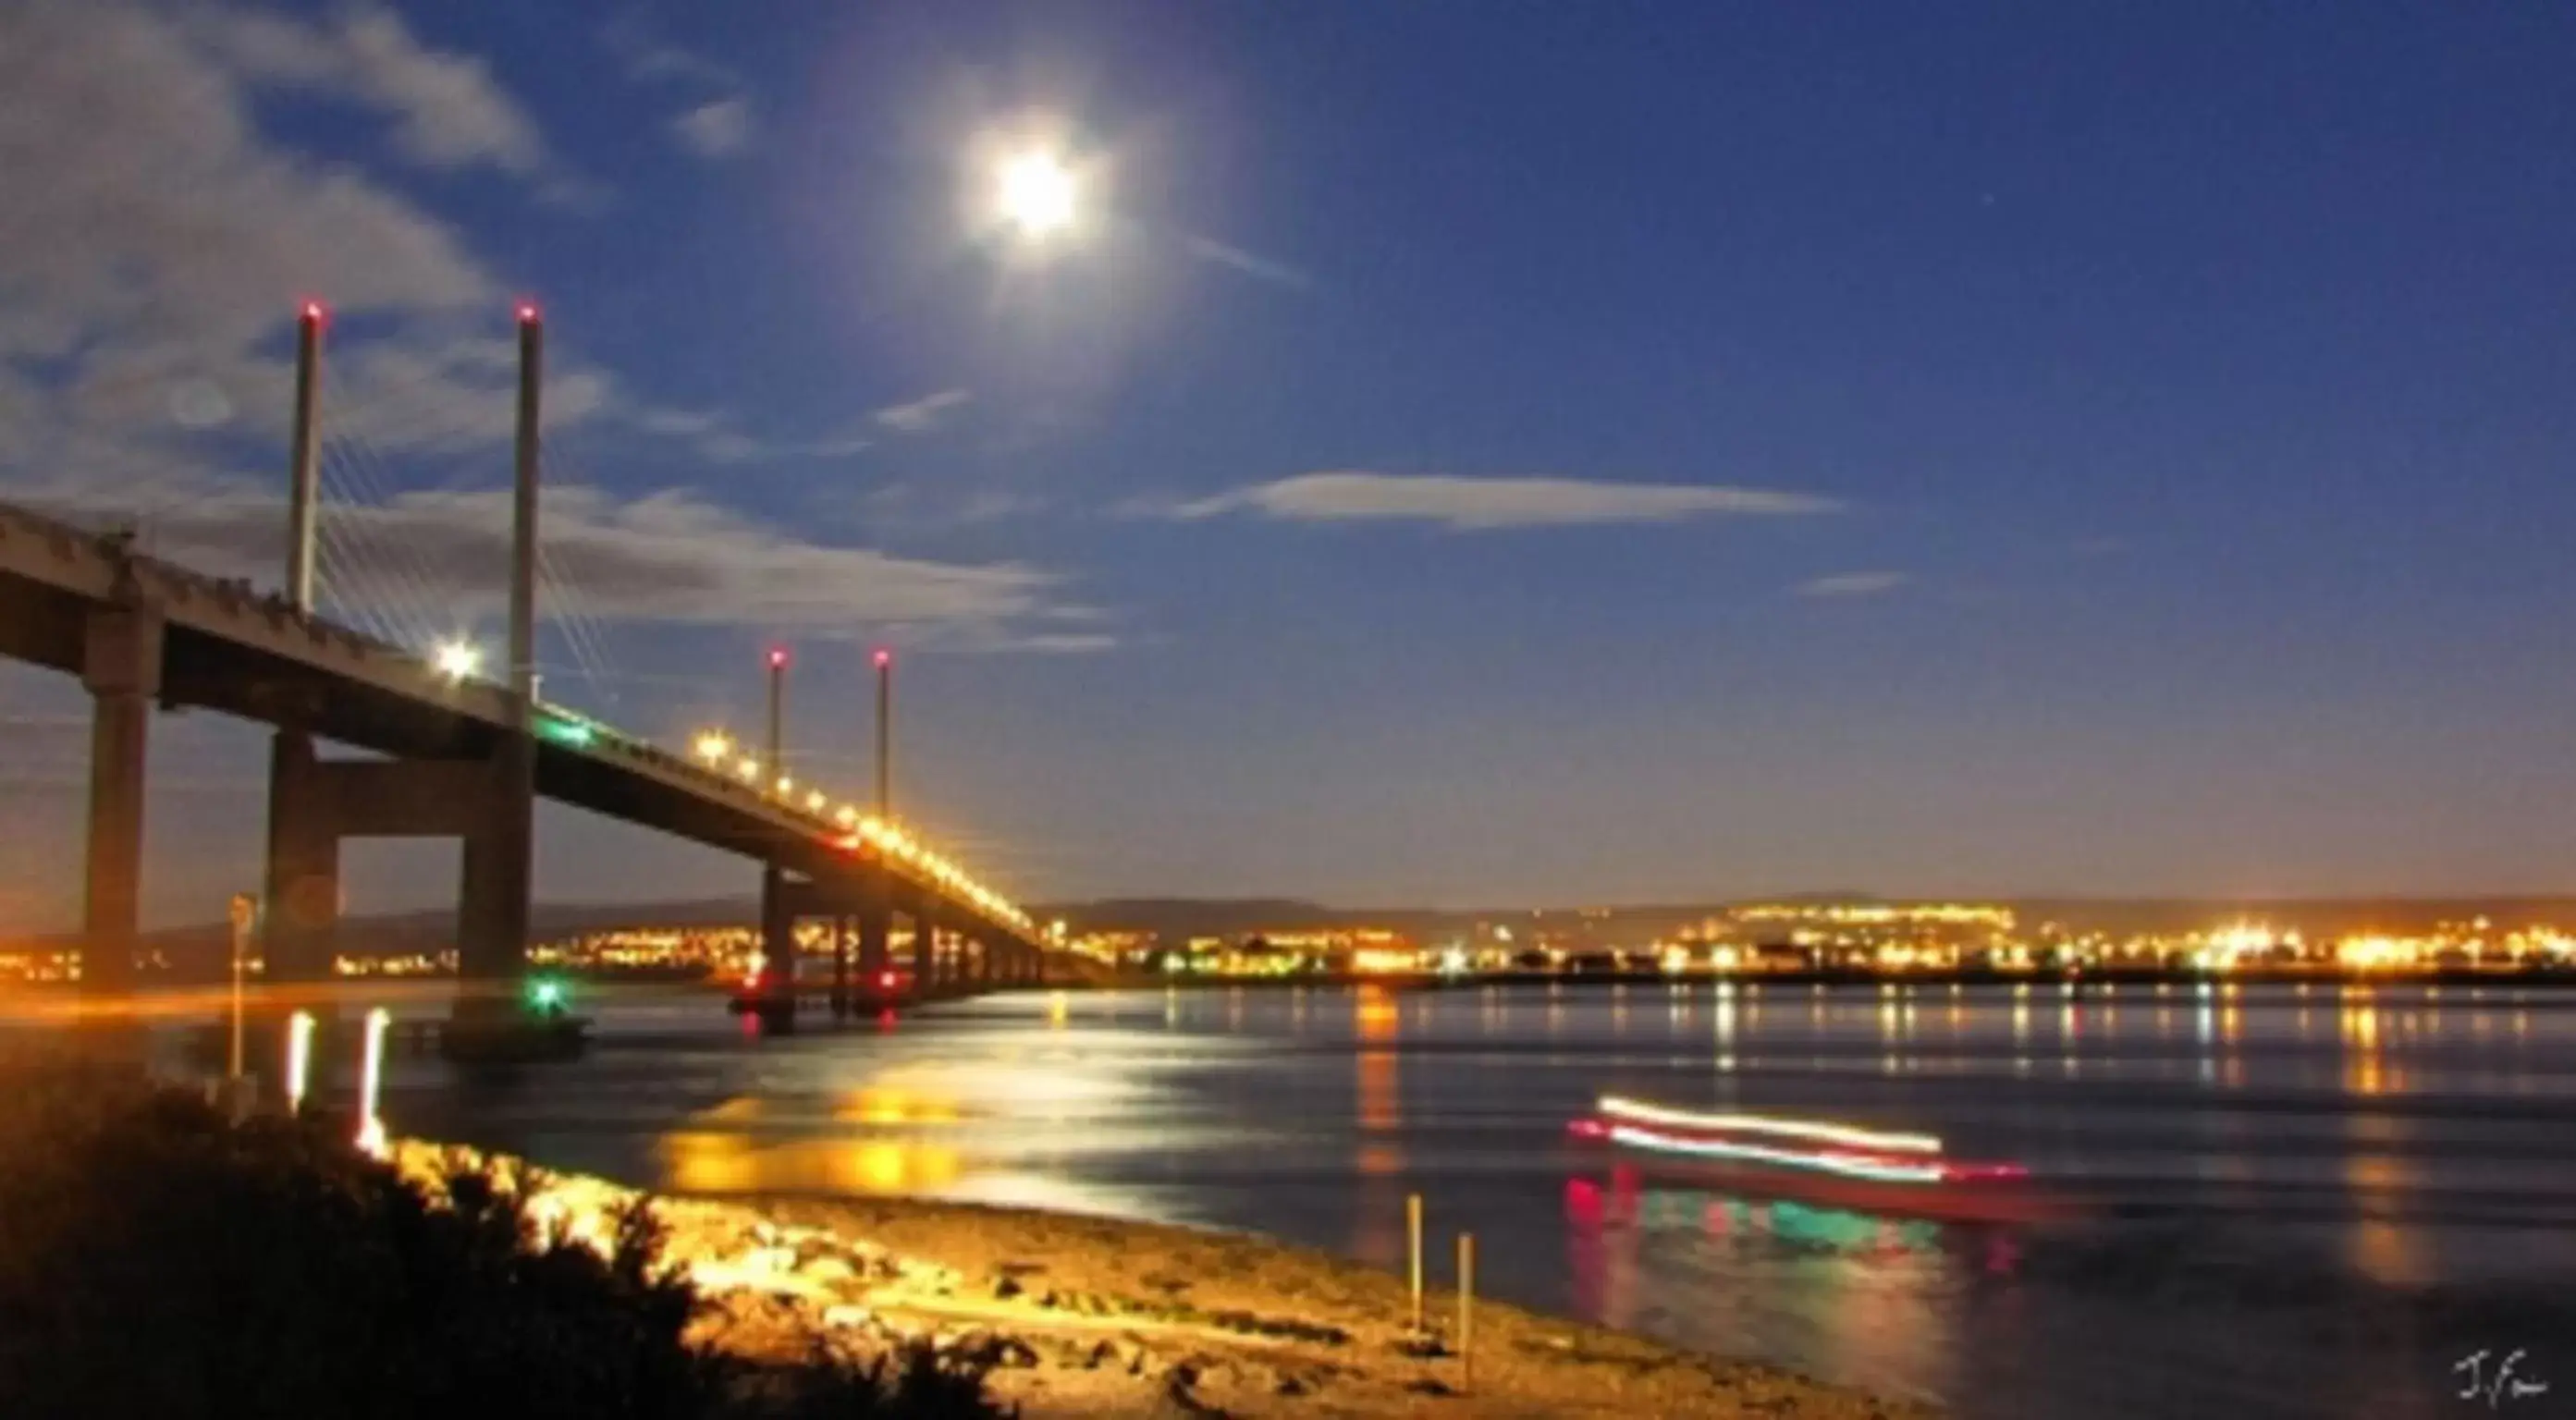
925, 947
492, 898
778, 944
876, 924
840, 967
500, 847
303, 477
121, 665
303, 875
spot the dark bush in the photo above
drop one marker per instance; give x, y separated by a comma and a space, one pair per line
157, 1261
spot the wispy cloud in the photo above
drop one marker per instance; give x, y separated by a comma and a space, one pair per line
446, 109
1486, 504
647, 58
667, 557
1210, 249
717, 129
920, 416
154, 243
1852, 584
715, 436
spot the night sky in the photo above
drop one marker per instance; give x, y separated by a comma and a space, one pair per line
1461, 454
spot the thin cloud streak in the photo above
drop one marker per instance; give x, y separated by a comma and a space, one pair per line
1464, 504
1209, 249
922, 415
1852, 584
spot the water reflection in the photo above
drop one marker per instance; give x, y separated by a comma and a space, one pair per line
733, 1161
1379, 1158
1866, 1295
2320, 1166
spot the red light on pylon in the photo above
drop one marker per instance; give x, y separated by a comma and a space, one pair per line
312, 312
778, 658
884, 658
527, 313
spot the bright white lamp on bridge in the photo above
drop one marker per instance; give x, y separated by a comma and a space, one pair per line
1037, 194
457, 659
714, 745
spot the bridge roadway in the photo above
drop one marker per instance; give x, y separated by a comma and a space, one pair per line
146, 633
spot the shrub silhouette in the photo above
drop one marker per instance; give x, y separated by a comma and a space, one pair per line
156, 1260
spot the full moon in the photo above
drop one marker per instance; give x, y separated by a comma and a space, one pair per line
1037, 194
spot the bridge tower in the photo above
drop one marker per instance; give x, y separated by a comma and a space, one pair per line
484, 796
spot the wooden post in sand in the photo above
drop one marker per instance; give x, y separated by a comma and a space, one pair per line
1466, 1312
1413, 1239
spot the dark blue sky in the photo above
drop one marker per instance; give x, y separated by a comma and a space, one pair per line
2159, 419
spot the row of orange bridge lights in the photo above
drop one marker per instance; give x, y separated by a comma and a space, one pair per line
723, 753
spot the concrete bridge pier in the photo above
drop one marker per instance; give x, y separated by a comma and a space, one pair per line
314, 803
493, 898
876, 925
121, 667
775, 1001
840, 967
929, 969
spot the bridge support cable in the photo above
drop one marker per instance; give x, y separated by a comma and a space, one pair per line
342, 589
568, 606
370, 561
420, 581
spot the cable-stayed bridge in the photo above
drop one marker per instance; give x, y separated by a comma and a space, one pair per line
462, 757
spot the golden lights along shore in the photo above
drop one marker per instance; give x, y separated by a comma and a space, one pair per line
718, 750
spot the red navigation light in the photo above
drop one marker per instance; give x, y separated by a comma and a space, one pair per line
886, 980
884, 658
778, 658
527, 313
313, 312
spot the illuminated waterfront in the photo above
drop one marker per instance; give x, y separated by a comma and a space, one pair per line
2287, 1202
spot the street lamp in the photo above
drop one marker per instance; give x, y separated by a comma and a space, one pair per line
457, 659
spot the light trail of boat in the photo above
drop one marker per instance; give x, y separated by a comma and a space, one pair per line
1621, 1108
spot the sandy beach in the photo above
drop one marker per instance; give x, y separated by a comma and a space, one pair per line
1083, 1316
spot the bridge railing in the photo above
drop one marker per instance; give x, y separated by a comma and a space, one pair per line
825, 825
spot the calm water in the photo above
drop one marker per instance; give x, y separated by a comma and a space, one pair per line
2287, 1203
